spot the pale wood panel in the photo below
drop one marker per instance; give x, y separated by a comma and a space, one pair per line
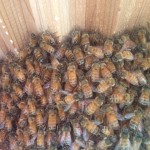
18, 19
21, 17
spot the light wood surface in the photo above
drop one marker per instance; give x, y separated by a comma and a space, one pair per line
18, 18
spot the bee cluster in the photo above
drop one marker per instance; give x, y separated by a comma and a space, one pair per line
88, 93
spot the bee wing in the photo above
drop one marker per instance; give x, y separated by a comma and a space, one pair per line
128, 116
120, 117
85, 135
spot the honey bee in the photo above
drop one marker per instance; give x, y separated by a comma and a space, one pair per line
17, 89
75, 37
119, 96
95, 72
105, 85
3, 136
145, 65
146, 113
14, 97
89, 125
13, 142
112, 118
79, 142
32, 125
79, 57
55, 74
141, 78
129, 77
68, 87
56, 64
19, 134
5, 81
47, 75
142, 36
38, 55
108, 48
43, 101
48, 48
144, 98
49, 138
86, 88
29, 67
37, 86
136, 119
133, 94
95, 38
94, 105
88, 62
138, 59
111, 67
55, 85
57, 98
23, 53
75, 146
73, 109
11, 107
11, 69
105, 73
19, 73
96, 51
69, 55
137, 140
26, 138
2, 117
65, 138
33, 40
28, 88
77, 130
72, 77
48, 38
4, 69
70, 99
85, 40
61, 113
22, 122
37, 68
39, 118
5, 98
124, 142
52, 119
8, 123
107, 131
106, 142
127, 42
124, 55
60, 53
40, 139
31, 106
21, 105
99, 116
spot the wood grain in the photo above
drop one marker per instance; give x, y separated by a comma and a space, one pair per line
21, 17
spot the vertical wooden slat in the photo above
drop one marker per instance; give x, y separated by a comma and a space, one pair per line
12, 20
72, 13
124, 15
4, 17
80, 8
29, 20
91, 13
